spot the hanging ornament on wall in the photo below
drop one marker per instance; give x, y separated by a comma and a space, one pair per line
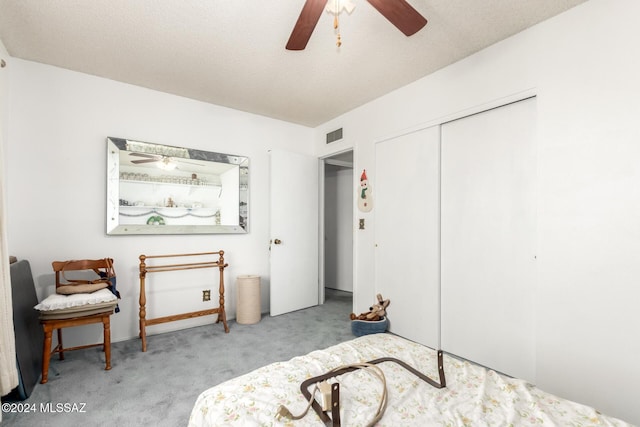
365, 200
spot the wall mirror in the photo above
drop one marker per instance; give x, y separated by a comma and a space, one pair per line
163, 189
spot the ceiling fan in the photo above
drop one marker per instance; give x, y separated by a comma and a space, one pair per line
166, 162
398, 12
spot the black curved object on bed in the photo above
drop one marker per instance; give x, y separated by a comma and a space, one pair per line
334, 420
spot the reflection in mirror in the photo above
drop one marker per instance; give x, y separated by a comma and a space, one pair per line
162, 189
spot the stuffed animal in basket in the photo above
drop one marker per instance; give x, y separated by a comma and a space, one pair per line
376, 311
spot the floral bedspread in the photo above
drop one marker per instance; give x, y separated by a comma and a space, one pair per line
474, 396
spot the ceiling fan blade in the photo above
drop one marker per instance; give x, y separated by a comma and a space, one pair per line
148, 156
145, 161
401, 14
307, 21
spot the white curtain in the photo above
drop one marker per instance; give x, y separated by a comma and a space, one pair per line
8, 369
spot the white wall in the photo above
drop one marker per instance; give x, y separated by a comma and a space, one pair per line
583, 66
338, 228
56, 178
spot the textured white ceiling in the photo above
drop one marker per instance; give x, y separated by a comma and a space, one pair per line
231, 52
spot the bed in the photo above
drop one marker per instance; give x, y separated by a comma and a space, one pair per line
473, 395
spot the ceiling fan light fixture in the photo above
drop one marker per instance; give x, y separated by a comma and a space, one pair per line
167, 164
336, 7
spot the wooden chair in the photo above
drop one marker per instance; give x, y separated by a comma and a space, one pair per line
87, 307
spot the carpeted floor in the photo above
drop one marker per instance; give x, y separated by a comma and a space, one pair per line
159, 387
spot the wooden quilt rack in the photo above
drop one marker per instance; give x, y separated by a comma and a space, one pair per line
144, 269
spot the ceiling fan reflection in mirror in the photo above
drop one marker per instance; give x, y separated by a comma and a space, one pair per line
398, 12
163, 162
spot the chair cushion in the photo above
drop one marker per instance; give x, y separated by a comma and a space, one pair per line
80, 311
58, 302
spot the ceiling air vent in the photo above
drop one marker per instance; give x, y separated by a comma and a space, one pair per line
334, 136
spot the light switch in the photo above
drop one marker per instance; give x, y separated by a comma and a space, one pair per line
361, 224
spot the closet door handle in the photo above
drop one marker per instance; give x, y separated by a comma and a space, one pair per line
277, 241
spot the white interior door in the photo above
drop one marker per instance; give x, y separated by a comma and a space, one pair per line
407, 233
488, 238
294, 232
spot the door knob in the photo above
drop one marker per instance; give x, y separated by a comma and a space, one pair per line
277, 241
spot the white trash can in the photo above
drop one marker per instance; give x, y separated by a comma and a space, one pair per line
248, 299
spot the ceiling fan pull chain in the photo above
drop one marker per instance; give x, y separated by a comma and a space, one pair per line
336, 24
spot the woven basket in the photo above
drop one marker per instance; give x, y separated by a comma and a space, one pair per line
367, 327
248, 300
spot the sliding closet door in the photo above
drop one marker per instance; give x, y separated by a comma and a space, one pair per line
406, 207
488, 238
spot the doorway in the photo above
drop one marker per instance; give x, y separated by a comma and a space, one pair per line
338, 228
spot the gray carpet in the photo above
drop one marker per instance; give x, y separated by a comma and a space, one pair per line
159, 387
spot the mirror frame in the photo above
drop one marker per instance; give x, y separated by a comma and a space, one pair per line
113, 226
